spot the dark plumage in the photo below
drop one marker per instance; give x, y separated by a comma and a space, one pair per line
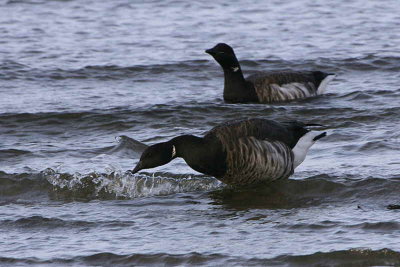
265, 87
238, 152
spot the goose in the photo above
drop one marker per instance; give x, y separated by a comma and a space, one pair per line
239, 152
266, 87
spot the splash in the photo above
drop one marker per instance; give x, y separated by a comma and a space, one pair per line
117, 184
128, 147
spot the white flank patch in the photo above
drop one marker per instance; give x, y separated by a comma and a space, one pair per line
235, 69
302, 147
324, 84
296, 87
290, 91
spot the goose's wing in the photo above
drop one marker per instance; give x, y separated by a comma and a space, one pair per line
261, 129
283, 86
251, 160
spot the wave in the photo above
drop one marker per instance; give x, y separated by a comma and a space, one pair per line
290, 193
21, 184
370, 94
39, 222
190, 115
350, 257
43, 222
353, 257
376, 227
127, 147
313, 191
10, 70
6, 153
32, 2
125, 185
114, 185
111, 259
368, 62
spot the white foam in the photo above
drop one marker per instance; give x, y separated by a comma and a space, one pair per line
122, 184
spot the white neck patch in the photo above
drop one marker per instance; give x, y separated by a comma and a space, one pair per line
235, 69
173, 151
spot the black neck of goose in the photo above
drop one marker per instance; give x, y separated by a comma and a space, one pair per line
187, 144
233, 71
236, 89
205, 156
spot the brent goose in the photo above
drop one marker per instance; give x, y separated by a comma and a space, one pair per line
266, 87
239, 152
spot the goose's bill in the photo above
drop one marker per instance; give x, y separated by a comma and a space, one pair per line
210, 51
137, 168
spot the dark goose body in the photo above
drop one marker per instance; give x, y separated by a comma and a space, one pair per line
266, 87
238, 152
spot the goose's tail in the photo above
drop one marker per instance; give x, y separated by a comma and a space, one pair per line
324, 82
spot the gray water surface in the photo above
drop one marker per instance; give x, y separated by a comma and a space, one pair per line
76, 75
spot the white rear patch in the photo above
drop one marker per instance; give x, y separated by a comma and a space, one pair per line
302, 147
322, 86
235, 69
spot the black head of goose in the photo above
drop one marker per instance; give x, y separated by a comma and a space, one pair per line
238, 152
266, 87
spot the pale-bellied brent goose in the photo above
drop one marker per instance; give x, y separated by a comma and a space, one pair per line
266, 87
239, 152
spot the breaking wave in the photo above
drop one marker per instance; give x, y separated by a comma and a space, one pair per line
350, 257
126, 185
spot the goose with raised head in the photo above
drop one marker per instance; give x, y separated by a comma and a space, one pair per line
266, 87
239, 152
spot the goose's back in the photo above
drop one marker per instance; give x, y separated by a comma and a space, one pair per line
259, 128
